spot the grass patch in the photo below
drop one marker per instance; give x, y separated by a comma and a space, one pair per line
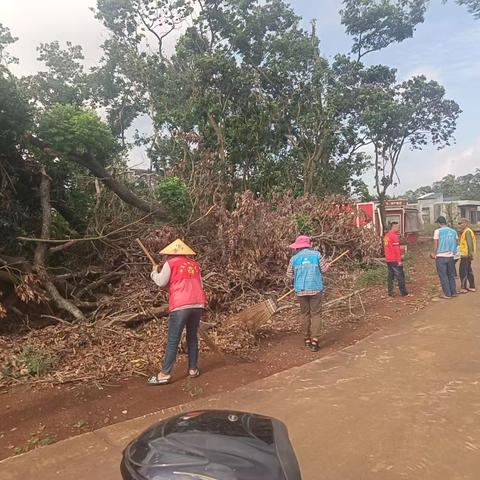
36, 361
373, 276
37, 439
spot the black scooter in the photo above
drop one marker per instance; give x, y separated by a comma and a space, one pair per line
212, 445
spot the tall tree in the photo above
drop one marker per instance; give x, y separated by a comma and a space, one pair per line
63, 80
413, 113
240, 84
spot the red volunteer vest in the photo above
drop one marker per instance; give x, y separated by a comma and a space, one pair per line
391, 244
185, 286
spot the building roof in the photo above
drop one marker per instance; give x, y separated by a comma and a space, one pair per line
431, 196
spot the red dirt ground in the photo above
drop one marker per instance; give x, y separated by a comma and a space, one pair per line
67, 410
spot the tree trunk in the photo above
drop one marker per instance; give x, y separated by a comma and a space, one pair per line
383, 211
41, 251
308, 174
99, 171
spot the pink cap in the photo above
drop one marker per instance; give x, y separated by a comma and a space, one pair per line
301, 242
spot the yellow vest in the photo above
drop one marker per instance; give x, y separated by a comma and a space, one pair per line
464, 244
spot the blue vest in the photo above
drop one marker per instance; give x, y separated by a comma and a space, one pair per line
447, 240
306, 269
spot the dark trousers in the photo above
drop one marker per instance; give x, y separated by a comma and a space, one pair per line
466, 273
311, 311
177, 321
446, 272
395, 271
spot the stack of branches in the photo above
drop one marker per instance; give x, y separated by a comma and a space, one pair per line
243, 253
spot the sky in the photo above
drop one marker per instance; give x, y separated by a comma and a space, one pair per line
445, 48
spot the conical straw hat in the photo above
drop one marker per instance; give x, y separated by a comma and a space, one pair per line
177, 248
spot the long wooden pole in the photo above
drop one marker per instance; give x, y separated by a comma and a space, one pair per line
146, 252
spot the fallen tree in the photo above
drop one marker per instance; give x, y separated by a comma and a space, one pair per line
89, 162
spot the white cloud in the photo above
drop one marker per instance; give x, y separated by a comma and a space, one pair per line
430, 71
44, 21
36, 22
459, 160
419, 168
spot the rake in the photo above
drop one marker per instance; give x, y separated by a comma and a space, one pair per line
262, 312
206, 337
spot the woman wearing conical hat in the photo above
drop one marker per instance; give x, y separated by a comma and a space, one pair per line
186, 301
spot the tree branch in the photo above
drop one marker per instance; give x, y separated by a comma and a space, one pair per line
98, 170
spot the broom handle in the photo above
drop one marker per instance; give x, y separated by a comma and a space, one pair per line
283, 297
146, 252
338, 258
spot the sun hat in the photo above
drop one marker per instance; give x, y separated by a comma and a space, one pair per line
302, 241
177, 248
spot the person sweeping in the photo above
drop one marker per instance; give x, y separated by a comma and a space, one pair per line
186, 302
305, 269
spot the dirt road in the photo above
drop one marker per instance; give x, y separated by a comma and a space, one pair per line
402, 404
33, 416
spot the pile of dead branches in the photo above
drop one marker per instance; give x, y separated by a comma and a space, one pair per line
243, 252
244, 255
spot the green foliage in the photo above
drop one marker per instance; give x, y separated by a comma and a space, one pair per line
465, 187
375, 24
64, 79
304, 224
18, 209
173, 193
36, 361
6, 39
14, 113
247, 81
76, 130
373, 276
412, 113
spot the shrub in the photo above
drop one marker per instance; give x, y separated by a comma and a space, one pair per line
173, 193
304, 224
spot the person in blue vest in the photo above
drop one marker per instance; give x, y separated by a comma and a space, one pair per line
445, 246
305, 269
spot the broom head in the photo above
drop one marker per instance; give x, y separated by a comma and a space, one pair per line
258, 314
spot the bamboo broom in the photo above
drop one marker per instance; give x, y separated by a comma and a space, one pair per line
262, 312
205, 336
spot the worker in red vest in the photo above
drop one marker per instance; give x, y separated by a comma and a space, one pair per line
393, 257
186, 302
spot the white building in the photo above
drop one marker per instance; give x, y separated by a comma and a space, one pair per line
432, 205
